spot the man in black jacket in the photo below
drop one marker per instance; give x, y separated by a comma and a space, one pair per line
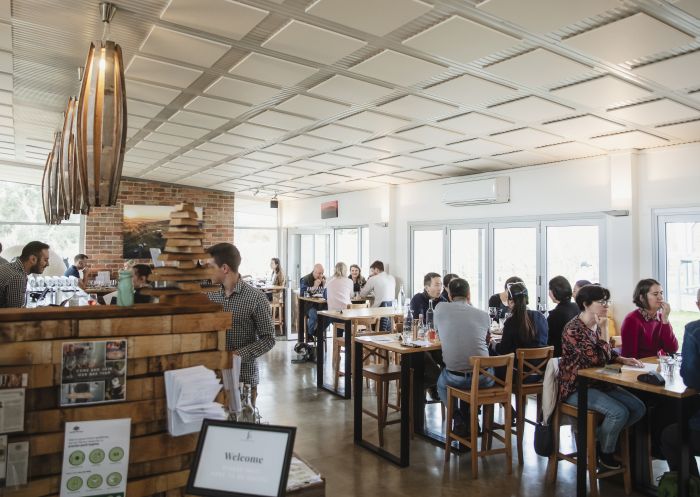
560, 293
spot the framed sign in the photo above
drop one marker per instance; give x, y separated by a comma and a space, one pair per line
241, 460
329, 210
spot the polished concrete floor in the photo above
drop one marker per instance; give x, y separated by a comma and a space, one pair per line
288, 396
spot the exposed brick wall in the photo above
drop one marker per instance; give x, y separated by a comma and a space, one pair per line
103, 228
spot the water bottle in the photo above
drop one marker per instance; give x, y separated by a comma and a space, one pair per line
402, 296
421, 327
407, 326
429, 323
125, 289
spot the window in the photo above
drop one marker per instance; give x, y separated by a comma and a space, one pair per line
364, 253
572, 252
255, 235
515, 254
467, 260
352, 247
679, 265
23, 221
427, 255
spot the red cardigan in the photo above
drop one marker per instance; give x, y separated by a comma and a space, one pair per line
642, 338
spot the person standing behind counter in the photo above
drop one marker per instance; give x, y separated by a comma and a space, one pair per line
13, 276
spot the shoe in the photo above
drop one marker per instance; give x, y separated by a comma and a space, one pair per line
608, 461
461, 430
433, 395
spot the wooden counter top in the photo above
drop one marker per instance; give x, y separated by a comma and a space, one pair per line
101, 312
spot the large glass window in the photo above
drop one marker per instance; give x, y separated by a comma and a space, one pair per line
364, 253
515, 254
347, 244
467, 260
573, 252
427, 255
679, 266
255, 235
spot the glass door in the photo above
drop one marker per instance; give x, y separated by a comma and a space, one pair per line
515, 249
467, 260
428, 255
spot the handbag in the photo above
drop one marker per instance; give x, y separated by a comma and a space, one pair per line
544, 439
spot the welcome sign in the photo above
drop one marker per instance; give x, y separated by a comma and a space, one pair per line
241, 460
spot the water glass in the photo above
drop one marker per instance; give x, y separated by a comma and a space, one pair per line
406, 336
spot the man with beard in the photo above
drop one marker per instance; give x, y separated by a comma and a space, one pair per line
13, 277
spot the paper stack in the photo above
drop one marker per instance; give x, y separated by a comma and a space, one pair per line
190, 393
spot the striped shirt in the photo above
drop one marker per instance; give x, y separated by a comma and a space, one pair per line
13, 285
252, 332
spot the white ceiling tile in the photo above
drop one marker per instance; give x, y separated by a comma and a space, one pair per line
689, 131
193, 162
137, 121
362, 153
417, 175
447, 170
225, 18
290, 170
583, 126
266, 157
393, 145
130, 157
620, 41
158, 147
539, 68
571, 150
527, 138
470, 90
143, 109
171, 44
416, 107
150, 93
271, 70
373, 121
324, 178
461, 40
525, 158
287, 150
430, 135
439, 155
334, 159
6, 32
179, 166
259, 132
237, 140
196, 119
312, 107
385, 17
313, 142
658, 111
168, 139
233, 170
274, 174
343, 134
475, 123
297, 183
692, 7
361, 184
247, 162
204, 155
398, 68
601, 92
220, 149
530, 109
377, 168
403, 161
350, 90
351, 172
243, 91
217, 107
6, 82
480, 146
487, 164
280, 120
161, 72
628, 139
312, 43
310, 165
180, 130
390, 180
559, 13
6, 97
682, 71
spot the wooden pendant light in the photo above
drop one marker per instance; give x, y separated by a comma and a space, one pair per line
73, 180
50, 185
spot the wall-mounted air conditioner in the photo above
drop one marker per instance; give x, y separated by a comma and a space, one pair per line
481, 191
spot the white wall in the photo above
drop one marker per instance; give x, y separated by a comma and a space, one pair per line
664, 177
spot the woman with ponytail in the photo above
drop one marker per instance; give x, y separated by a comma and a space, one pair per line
524, 329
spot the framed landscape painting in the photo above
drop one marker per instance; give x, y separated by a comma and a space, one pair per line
143, 228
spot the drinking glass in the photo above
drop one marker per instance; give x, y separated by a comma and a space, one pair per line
406, 336
396, 304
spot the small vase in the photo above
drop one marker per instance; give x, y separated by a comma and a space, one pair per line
125, 289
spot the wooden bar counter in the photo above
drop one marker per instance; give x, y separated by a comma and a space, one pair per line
160, 337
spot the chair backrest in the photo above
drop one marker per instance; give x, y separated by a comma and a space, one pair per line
616, 341
482, 366
532, 363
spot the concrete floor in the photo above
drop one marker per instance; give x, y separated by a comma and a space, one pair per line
288, 396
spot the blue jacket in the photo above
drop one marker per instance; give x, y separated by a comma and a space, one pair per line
690, 366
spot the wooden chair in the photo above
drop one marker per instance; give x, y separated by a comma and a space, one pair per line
486, 397
371, 324
529, 380
593, 419
616, 341
277, 310
383, 375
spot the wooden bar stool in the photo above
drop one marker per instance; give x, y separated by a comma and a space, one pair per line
486, 397
529, 380
277, 310
593, 419
383, 375
369, 324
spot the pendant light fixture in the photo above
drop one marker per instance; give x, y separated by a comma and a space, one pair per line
50, 184
72, 179
101, 117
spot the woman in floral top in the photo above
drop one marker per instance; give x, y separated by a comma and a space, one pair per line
584, 346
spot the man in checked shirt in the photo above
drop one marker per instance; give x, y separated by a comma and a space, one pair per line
252, 332
13, 276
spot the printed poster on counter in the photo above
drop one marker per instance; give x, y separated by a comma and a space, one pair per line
96, 458
93, 372
11, 410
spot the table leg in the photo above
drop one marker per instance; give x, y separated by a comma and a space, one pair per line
357, 431
320, 357
405, 409
684, 470
582, 456
347, 327
300, 321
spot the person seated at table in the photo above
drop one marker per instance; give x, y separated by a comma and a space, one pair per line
578, 285
383, 285
646, 330
690, 372
500, 300
445, 283
313, 284
560, 292
339, 288
276, 279
79, 264
463, 331
432, 292
525, 328
358, 281
583, 346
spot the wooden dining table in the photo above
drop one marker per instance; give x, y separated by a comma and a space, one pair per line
674, 389
320, 304
349, 318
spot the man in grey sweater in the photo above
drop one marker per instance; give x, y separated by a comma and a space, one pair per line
462, 330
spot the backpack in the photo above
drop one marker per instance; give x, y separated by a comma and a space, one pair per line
668, 485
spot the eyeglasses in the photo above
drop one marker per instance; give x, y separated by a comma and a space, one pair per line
604, 302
